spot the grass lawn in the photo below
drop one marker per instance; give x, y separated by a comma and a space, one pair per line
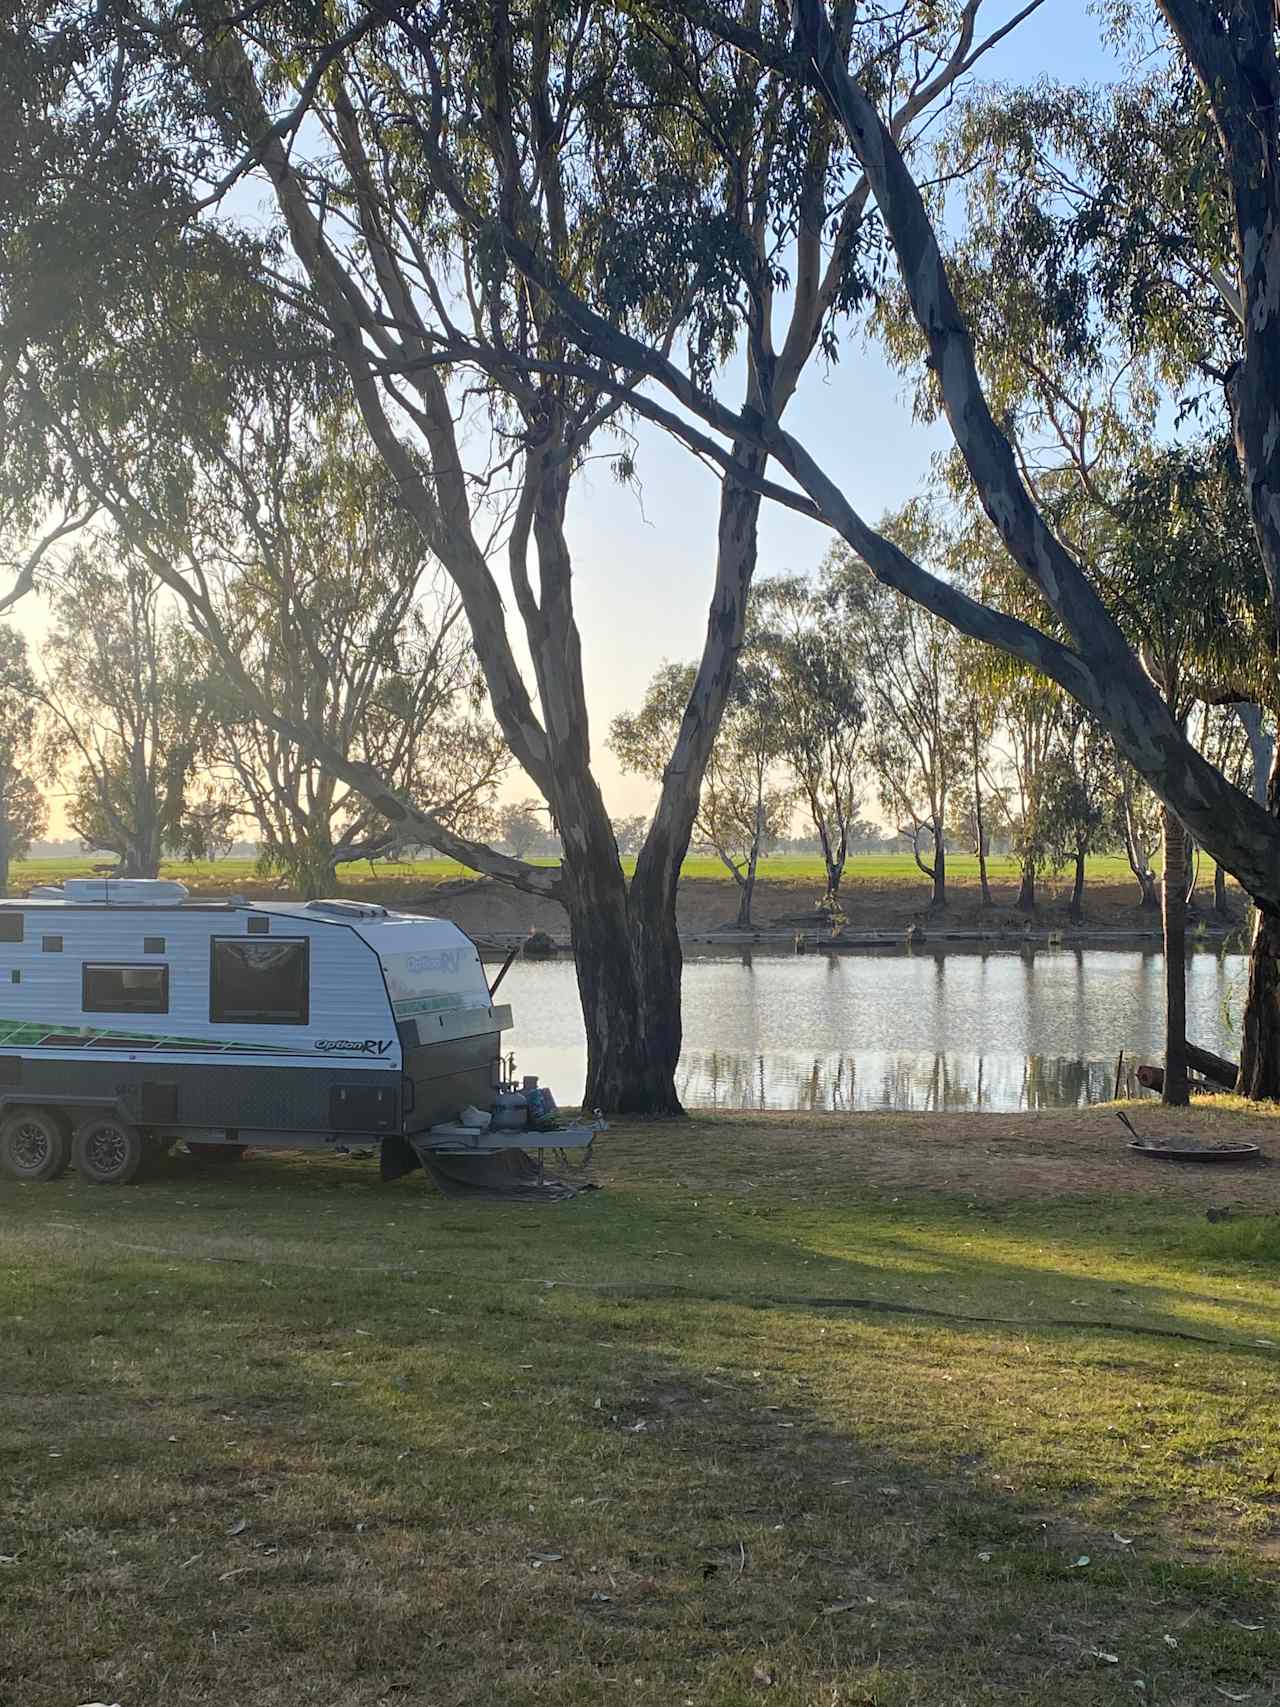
870, 868
841, 1413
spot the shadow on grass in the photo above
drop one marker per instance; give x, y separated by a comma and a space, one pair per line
1019, 1263
463, 1484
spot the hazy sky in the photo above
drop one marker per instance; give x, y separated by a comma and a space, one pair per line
644, 563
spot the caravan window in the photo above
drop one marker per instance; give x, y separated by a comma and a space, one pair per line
124, 989
258, 983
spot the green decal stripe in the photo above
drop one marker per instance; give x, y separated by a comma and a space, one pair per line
36, 1034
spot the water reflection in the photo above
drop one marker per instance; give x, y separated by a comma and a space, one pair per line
924, 1083
995, 1029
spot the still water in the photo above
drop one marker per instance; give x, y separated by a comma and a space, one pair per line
997, 1030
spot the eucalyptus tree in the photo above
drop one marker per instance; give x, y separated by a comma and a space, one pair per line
1078, 801
520, 826
1141, 829
1225, 738
333, 609
1183, 576
917, 734
121, 691
744, 804
811, 649
661, 177
22, 808
1094, 662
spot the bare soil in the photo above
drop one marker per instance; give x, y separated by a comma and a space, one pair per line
707, 905
1045, 1155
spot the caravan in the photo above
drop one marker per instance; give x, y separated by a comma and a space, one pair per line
131, 1016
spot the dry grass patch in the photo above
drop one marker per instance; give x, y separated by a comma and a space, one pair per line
290, 1436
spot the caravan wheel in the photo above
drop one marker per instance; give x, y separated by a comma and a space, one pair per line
33, 1144
107, 1151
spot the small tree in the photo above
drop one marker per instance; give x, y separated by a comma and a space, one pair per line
741, 810
1078, 802
629, 833
520, 825
122, 697
338, 625
812, 652
917, 724
22, 811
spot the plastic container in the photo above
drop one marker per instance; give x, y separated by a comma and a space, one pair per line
475, 1118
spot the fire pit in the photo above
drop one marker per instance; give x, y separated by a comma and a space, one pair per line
1188, 1149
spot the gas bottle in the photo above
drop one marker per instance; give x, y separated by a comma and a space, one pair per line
510, 1111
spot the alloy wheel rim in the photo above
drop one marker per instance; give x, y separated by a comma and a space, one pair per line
30, 1145
106, 1149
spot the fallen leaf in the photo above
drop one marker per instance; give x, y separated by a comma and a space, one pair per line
1231, 1694
548, 1558
598, 1596
1101, 1654
239, 1526
985, 1557
762, 1677
8, 1558
1243, 1626
839, 1606
1124, 1540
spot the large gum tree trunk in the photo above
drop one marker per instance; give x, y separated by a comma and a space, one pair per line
629, 965
1174, 898
1260, 1027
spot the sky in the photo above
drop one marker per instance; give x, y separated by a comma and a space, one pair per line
644, 561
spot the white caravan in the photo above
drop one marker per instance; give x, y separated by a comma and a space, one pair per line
131, 1016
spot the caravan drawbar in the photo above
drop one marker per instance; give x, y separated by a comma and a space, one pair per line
131, 1015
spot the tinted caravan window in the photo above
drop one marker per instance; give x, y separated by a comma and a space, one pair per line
109, 989
257, 982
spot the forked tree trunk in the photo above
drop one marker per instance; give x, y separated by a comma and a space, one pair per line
1174, 895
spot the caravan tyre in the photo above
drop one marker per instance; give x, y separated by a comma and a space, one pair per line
107, 1151
33, 1144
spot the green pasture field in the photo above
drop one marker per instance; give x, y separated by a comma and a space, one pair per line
880, 869
745, 1425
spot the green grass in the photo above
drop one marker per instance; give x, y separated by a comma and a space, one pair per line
283, 1435
881, 869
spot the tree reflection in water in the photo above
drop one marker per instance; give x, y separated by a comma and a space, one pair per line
998, 1029
925, 1084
